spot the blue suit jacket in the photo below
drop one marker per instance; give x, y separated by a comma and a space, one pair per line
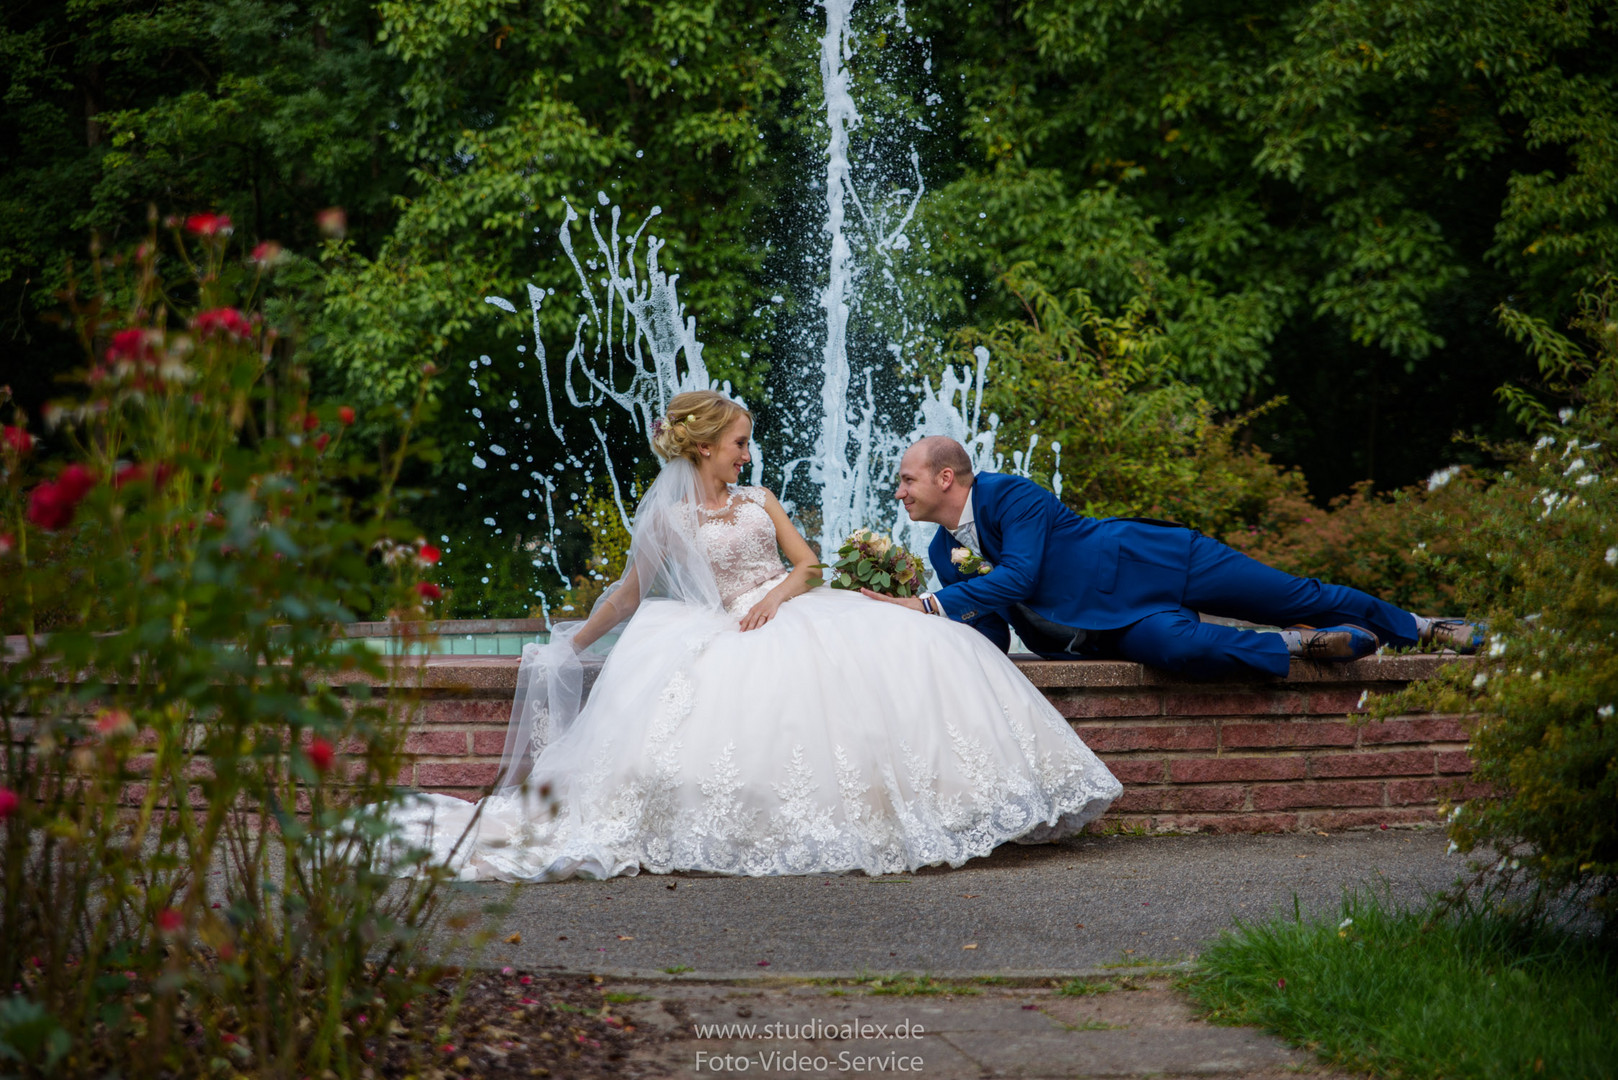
1088, 573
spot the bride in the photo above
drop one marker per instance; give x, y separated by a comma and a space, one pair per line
743, 723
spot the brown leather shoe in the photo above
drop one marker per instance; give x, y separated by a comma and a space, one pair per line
1455, 634
1346, 642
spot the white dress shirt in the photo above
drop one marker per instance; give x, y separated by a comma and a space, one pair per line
966, 534
966, 530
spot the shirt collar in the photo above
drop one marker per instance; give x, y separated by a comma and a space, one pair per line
967, 520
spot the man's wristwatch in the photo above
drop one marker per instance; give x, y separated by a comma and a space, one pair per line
929, 605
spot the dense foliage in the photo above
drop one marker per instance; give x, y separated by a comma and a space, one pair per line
194, 775
1324, 199
1538, 551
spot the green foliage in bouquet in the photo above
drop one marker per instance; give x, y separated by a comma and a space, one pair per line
1539, 555
871, 561
195, 774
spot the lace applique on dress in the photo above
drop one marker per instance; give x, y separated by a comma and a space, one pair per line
740, 541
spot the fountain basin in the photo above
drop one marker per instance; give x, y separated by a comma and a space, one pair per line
453, 637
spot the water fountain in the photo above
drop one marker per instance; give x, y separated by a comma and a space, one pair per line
635, 346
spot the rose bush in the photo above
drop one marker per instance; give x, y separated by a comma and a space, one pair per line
195, 774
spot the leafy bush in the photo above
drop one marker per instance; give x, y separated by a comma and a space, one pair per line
1538, 551
1400, 547
199, 877
1133, 438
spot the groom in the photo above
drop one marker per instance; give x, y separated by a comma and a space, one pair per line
1074, 586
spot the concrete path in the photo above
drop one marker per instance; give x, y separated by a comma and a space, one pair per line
1127, 1028
1043, 961
1053, 910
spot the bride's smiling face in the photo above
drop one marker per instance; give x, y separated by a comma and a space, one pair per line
724, 459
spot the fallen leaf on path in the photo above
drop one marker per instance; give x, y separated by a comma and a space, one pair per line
971, 946
625, 937
970, 895
1078, 926
514, 939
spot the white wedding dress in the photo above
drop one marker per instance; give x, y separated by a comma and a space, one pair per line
845, 734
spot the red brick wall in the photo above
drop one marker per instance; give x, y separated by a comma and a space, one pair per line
1249, 756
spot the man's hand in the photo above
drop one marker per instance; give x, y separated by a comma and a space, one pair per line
911, 602
760, 613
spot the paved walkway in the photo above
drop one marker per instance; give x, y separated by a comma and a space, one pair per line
1030, 912
1041, 961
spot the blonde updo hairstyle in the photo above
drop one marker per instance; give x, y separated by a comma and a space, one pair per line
694, 419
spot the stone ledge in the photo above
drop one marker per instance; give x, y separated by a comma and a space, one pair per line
499, 673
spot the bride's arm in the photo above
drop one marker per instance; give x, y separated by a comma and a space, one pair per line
803, 559
611, 611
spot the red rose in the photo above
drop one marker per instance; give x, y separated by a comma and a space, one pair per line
18, 439
227, 321
133, 345
9, 803
333, 221
7, 543
129, 474
321, 440
112, 722
345, 413
51, 505
77, 481
208, 224
429, 591
429, 554
321, 755
310, 422
266, 253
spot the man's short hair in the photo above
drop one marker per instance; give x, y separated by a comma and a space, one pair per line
940, 452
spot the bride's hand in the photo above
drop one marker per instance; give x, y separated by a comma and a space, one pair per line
761, 613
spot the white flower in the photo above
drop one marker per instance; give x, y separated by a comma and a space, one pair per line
959, 555
1612, 556
1345, 924
1365, 695
1544, 441
1536, 676
1564, 414
1573, 466
1497, 647
1442, 477
1587, 478
882, 545
1452, 849
1479, 681
1604, 712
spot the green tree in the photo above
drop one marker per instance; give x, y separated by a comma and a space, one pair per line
1327, 198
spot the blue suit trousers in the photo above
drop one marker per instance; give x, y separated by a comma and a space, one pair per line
1224, 582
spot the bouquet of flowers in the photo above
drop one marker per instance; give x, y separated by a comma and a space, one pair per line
869, 561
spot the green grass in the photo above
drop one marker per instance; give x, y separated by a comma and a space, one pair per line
677, 969
898, 985
1085, 987
1406, 993
620, 998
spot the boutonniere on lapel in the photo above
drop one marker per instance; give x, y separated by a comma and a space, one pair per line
969, 564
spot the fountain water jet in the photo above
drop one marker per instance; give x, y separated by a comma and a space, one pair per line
635, 346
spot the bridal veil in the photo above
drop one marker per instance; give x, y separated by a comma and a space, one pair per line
667, 563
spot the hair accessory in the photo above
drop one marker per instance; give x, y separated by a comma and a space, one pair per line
657, 427
690, 417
